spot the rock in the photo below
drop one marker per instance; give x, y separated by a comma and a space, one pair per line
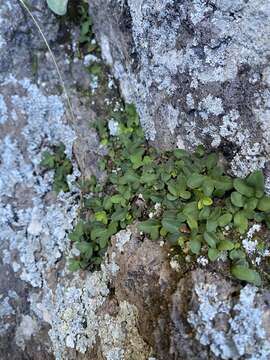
198, 72
188, 314
137, 306
46, 312
145, 279
230, 320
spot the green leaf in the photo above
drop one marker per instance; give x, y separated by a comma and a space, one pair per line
204, 213
241, 221
118, 199
148, 178
172, 188
237, 254
98, 231
129, 177
225, 245
177, 188
185, 195
195, 181
213, 254
192, 223
171, 224
264, 204
173, 239
224, 220
73, 265
150, 227
200, 151
107, 203
85, 248
112, 228
102, 217
120, 214
48, 160
237, 199
93, 203
77, 233
103, 242
59, 7
251, 204
180, 153
211, 161
210, 239
195, 246
136, 158
208, 187
171, 197
243, 188
211, 225
256, 180
207, 201
246, 274
191, 209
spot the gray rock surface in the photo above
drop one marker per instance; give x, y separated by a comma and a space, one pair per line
198, 71
137, 307
45, 311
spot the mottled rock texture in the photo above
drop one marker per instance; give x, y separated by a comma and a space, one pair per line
137, 307
45, 311
197, 70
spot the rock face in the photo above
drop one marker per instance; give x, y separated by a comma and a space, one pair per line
137, 307
188, 315
198, 71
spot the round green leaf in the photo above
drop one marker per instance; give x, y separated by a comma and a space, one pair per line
264, 204
241, 222
103, 242
213, 254
195, 246
251, 204
224, 219
237, 199
208, 187
246, 274
210, 239
256, 180
204, 213
243, 188
225, 245
211, 225
195, 180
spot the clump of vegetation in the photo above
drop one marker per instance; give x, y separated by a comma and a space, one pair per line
184, 198
59, 162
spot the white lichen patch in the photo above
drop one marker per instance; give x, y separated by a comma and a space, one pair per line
210, 106
240, 331
27, 328
172, 117
3, 109
251, 246
113, 127
37, 235
121, 238
6, 310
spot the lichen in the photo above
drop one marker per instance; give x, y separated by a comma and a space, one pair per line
230, 330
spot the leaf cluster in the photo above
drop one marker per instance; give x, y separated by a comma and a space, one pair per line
61, 165
202, 210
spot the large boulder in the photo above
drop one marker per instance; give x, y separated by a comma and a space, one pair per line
198, 71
